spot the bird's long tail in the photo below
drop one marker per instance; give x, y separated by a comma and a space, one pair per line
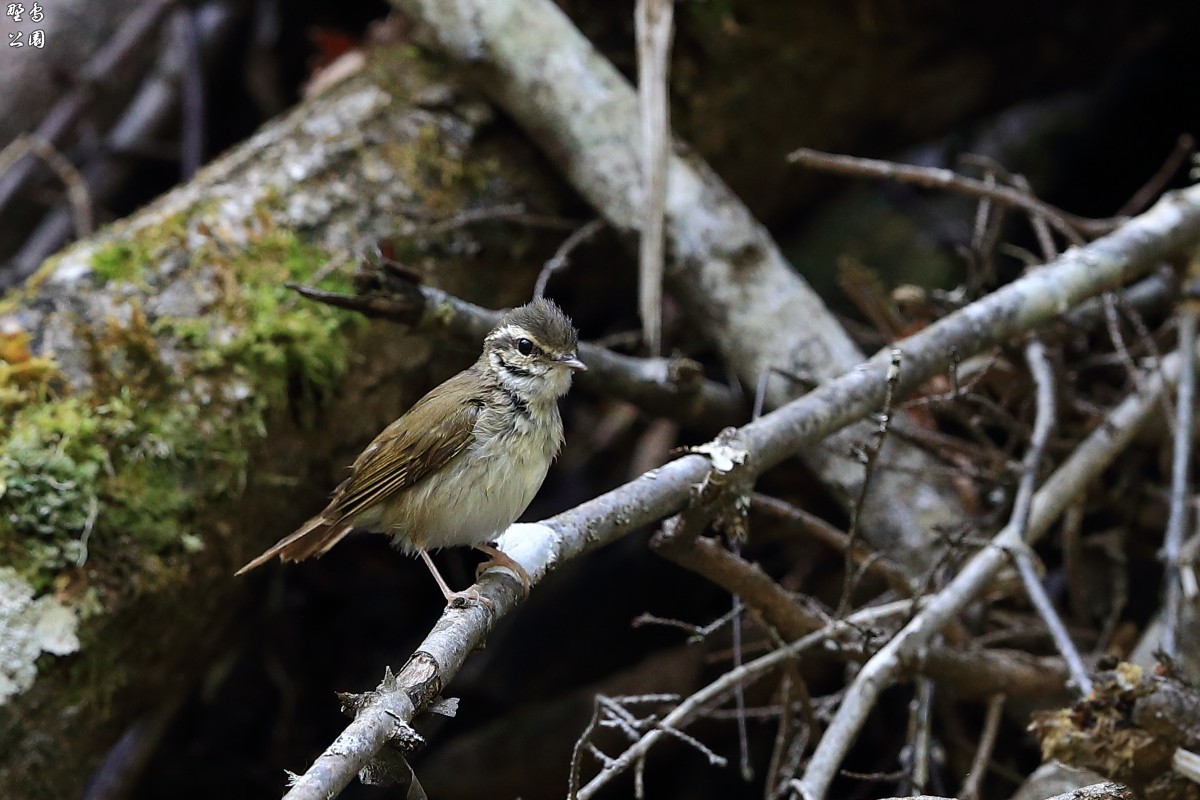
313, 538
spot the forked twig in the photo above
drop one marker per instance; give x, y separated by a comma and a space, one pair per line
1044, 423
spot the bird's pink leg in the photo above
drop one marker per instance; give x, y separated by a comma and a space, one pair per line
454, 598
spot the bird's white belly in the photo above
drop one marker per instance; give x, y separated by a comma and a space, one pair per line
475, 497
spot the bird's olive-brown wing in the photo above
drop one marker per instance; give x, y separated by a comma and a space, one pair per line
426, 438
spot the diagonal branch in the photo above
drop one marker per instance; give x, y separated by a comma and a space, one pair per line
1034, 300
1044, 423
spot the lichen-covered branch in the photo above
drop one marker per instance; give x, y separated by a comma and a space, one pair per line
1034, 300
158, 379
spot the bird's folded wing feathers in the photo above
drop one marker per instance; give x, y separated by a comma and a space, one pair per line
408, 450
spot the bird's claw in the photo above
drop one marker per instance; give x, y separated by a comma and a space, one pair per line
499, 559
468, 596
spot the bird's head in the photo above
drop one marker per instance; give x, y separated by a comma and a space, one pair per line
533, 350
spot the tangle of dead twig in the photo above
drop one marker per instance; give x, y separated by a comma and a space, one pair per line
1097, 451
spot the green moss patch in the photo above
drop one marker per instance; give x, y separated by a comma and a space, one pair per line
120, 261
125, 469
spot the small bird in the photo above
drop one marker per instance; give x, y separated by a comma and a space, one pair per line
463, 463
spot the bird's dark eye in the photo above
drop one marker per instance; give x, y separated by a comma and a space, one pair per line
524, 346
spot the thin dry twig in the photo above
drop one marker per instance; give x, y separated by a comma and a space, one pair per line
506, 212
1144, 196
1069, 225
983, 753
1112, 321
984, 233
1040, 228
850, 576
864, 560
1177, 520
920, 735
654, 24
1044, 424
77, 188
561, 258
1094, 454
722, 687
613, 712
696, 633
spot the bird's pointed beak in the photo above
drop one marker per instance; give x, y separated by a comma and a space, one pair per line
571, 361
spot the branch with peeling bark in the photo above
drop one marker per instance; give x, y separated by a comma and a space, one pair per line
1171, 226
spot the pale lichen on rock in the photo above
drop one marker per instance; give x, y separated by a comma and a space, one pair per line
28, 628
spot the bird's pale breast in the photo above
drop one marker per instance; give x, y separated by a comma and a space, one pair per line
478, 494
